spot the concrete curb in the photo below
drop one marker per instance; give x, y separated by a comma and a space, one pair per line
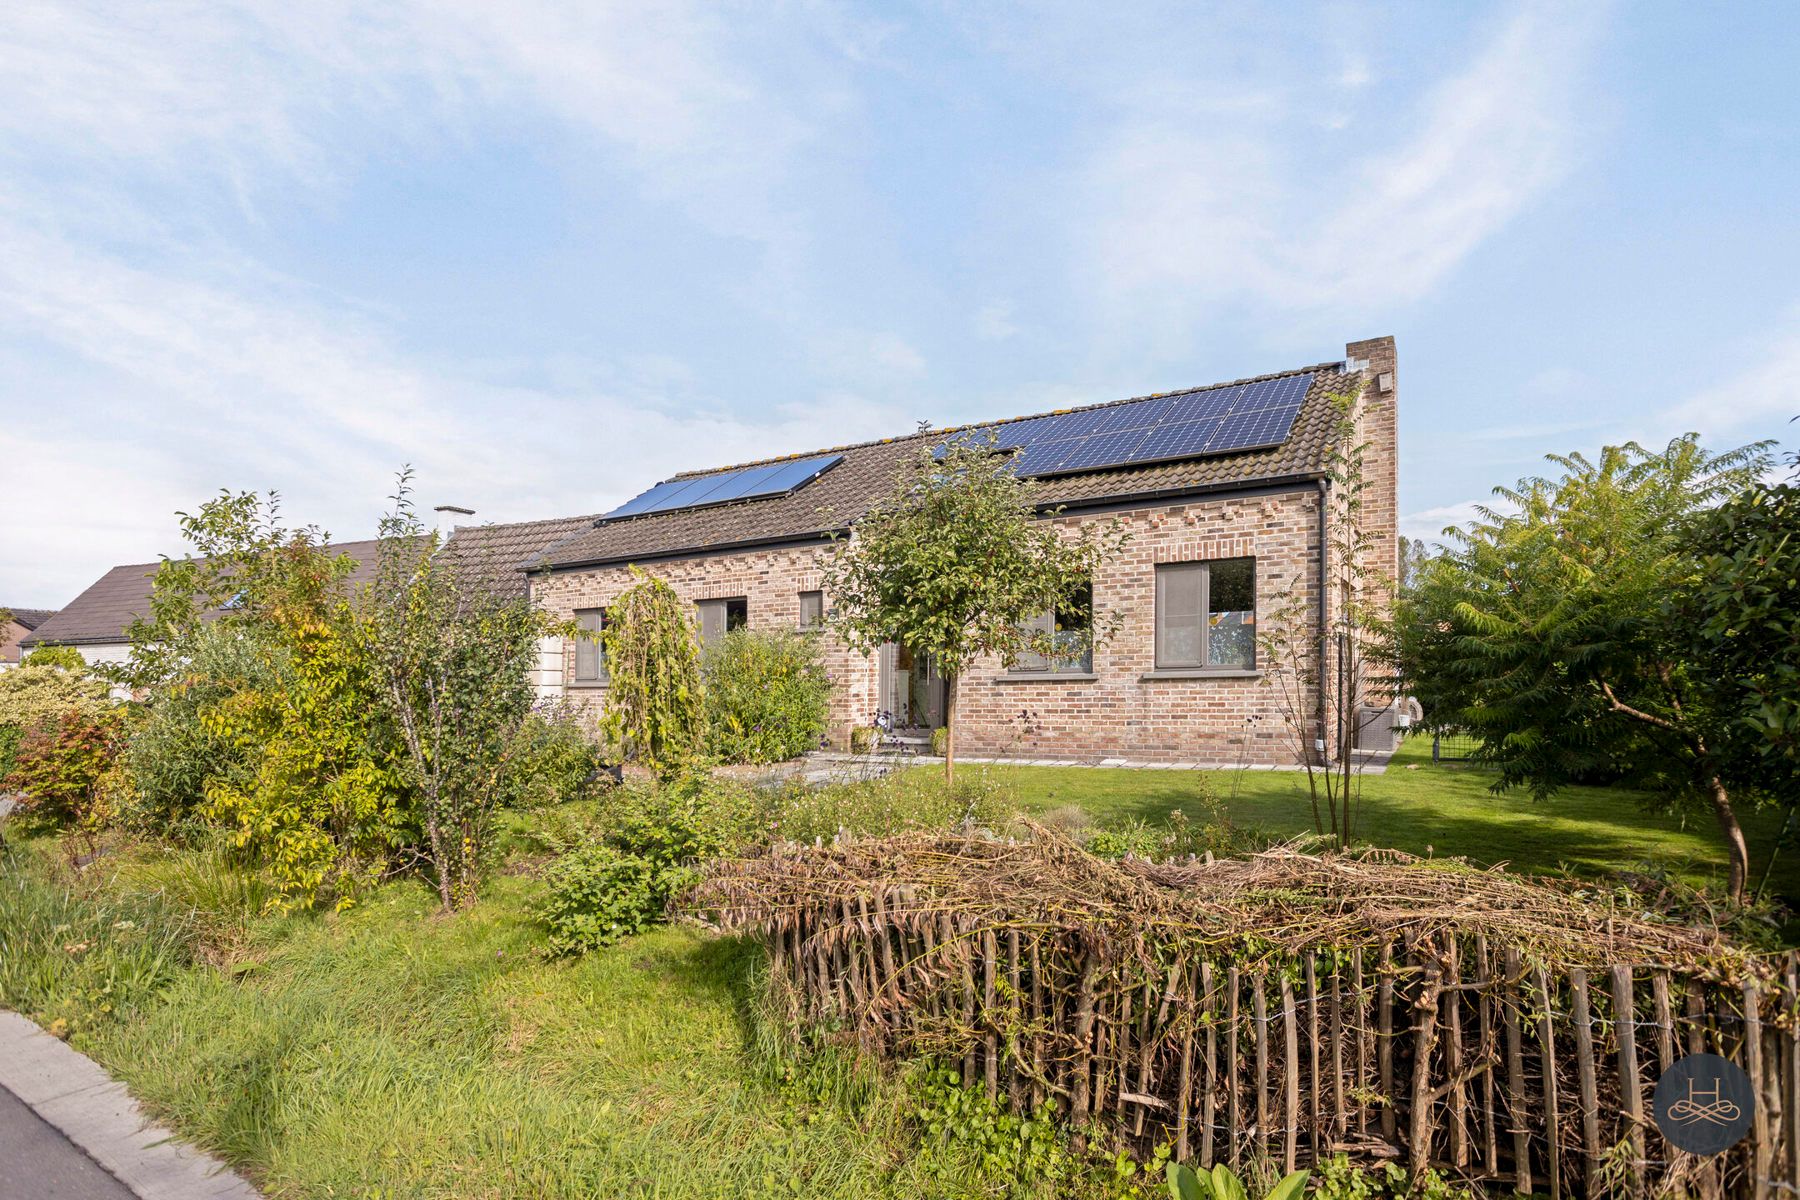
71, 1092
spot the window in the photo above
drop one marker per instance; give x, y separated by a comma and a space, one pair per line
590, 656
1069, 628
812, 609
1206, 615
719, 617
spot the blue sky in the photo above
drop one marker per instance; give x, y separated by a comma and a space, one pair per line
551, 253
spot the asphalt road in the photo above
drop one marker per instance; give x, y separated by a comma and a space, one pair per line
38, 1163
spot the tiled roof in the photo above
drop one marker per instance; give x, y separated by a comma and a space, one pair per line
844, 493
499, 554
30, 618
102, 613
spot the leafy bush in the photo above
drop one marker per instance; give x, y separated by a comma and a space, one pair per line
652, 838
647, 839
599, 894
9, 745
968, 1135
320, 799
66, 767
553, 760
52, 655
767, 696
1341, 1179
37, 692
176, 750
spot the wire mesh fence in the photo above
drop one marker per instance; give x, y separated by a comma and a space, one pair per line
1453, 746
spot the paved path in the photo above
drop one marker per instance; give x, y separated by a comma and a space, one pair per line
67, 1129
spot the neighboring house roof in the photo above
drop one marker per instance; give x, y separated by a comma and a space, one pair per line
841, 495
30, 618
497, 555
102, 613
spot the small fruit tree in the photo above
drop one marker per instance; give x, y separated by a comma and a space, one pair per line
956, 559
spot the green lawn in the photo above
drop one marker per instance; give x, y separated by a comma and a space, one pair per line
1424, 807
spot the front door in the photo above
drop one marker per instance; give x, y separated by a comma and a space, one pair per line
927, 701
912, 688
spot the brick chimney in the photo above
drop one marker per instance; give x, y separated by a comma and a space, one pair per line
1380, 431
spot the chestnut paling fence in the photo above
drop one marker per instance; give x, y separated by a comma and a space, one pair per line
1449, 1039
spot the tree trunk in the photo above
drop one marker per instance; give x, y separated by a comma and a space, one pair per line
1734, 839
950, 729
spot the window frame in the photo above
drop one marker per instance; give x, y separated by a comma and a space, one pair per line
1032, 665
725, 603
1205, 665
818, 622
600, 676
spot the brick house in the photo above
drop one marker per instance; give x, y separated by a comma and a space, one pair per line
1215, 538
16, 624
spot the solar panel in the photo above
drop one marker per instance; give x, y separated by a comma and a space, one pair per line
1221, 420
722, 487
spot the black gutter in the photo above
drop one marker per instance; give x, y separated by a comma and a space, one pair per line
619, 560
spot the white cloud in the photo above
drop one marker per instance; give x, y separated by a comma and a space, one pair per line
1198, 207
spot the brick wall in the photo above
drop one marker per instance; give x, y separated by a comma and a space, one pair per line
1116, 713
771, 582
1126, 709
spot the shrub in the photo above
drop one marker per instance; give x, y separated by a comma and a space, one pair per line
767, 696
599, 894
65, 767
553, 760
176, 750
37, 692
320, 799
66, 657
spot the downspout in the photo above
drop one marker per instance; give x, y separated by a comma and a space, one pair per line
1324, 615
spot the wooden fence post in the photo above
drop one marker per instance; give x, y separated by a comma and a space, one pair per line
1625, 1025
1518, 1117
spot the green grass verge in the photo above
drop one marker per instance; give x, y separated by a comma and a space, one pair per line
391, 1051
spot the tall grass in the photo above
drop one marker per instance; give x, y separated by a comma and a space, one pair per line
75, 958
393, 1052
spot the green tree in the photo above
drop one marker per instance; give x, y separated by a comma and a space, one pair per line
1741, 610
450, 654
957, 558
654, 705
1544, 630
